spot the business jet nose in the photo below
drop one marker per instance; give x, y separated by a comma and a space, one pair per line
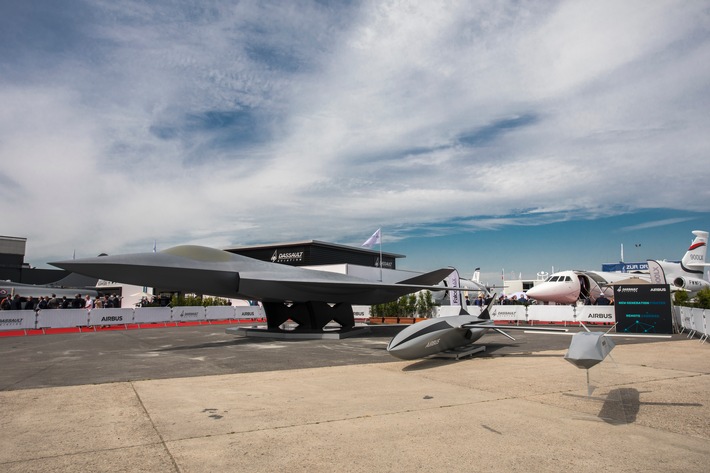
553, 292
538, 292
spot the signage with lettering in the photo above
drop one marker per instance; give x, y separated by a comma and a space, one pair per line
643, 308
291, 255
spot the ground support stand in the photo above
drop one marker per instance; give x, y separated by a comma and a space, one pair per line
459, 353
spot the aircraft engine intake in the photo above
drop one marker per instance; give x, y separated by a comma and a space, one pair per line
690, 284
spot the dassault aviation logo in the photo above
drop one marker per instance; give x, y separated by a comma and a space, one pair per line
286, 256
627, 289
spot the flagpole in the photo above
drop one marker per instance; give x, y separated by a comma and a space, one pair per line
380, 255
375, 238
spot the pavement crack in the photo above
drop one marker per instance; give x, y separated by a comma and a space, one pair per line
155, 428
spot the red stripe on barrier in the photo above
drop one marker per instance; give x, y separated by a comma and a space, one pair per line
64, 330
13, 333
103, 328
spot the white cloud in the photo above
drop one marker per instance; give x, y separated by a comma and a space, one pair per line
656, 223
227, 124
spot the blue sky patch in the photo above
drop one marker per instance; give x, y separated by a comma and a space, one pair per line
493, 131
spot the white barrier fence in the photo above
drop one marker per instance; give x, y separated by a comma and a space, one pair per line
17, 320
695, 321
536, 313
68, 318
548, 314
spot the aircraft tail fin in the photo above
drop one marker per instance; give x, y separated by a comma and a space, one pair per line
476, 275
695, 256
429, 279
486, 314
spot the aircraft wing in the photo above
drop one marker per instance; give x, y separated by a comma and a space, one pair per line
431, 278
491, 325
32, 290
220, 273
551, 331
322, 286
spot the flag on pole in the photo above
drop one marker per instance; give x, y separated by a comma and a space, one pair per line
375, 239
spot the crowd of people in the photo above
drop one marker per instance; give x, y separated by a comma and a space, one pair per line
482, 301
18, 302
521, 299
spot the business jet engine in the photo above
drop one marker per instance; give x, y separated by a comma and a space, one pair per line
690, 284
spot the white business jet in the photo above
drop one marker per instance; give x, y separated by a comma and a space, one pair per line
567, 287
688, 275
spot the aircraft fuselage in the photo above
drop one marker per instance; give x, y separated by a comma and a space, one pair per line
435, 336
567, 287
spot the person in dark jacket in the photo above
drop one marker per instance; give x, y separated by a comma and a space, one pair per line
16, 303
77, 302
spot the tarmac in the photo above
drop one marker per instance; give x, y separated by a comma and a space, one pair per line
195, 399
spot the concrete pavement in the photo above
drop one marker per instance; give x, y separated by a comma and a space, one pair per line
519, 408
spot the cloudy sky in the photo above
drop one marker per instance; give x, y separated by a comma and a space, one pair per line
509, 135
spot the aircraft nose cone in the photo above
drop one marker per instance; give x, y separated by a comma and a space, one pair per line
85, 266
536, 291
394, 347
402, 345
553, 292
165, 270
103, 264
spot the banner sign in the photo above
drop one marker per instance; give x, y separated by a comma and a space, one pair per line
17, 319
110, 316
249, 312
655, 270
624, 267
453, 281
551, 313
643, 308
151, 315
62, 318
595, 313
508, 312
188, 313
217, 312
361, 313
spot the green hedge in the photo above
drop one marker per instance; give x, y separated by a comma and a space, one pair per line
412, 305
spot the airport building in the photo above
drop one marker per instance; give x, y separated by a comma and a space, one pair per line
12, 257
14, 268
